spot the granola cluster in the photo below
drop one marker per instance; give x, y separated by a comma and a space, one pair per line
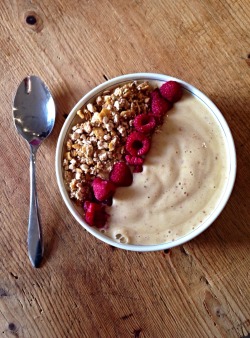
97, 141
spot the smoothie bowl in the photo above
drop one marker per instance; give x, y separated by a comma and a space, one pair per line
145, 162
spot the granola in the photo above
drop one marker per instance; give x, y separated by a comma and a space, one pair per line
97, 141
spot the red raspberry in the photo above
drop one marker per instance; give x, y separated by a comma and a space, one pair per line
144, 123
159, 105
158, 119
172, 91
137, 144
103, 189
95, 214
138, 169
121, 175
134, 160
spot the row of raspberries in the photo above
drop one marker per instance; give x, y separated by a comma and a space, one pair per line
137, 146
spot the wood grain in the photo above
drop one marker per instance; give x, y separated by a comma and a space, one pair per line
86, 288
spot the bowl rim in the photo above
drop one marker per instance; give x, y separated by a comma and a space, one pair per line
231, 152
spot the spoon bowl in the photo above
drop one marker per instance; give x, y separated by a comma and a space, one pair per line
34, 110
34, 118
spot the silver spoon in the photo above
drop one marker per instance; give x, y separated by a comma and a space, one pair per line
34, 117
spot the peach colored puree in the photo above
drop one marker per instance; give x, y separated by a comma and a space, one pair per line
183, 177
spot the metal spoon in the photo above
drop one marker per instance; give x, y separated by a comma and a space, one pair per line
34, 117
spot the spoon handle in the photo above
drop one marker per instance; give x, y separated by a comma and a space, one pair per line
35, 240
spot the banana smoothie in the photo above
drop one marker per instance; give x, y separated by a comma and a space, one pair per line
183, 177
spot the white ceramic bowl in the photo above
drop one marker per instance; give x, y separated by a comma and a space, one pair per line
230, 148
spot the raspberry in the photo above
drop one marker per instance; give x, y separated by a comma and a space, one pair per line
144, 123
172, 91
137, 144
158, 119
134, 160
95, 214
159, 105
138, 169
121, 175
103, 189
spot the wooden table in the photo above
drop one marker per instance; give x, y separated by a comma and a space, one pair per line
86, 288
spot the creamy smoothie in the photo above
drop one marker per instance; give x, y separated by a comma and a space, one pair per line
183, 176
